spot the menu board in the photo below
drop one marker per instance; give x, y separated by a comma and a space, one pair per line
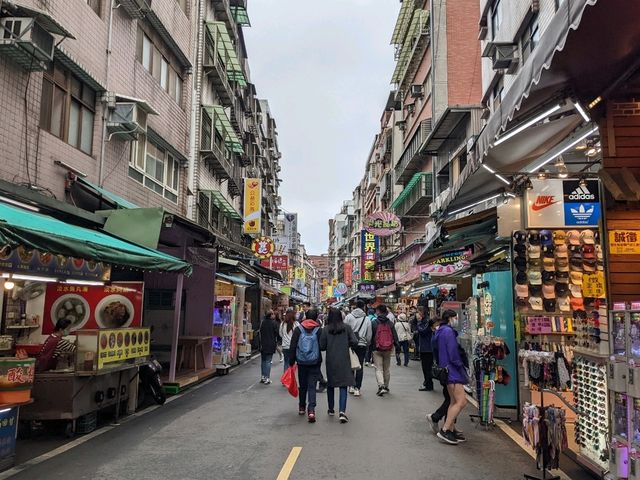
118, 305
122, 344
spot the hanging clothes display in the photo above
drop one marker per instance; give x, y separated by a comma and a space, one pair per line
545, 369
544, 429
487, 352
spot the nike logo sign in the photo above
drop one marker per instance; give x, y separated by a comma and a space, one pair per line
543, 201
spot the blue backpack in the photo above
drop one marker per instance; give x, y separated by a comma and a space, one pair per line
308, 351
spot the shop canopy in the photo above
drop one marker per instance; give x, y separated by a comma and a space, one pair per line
111, 197
45, 233
234, 280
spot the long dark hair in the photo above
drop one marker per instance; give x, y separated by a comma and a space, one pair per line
289, 319
447, 315
335, 324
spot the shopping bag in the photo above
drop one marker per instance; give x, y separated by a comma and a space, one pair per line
288, 379
355, 361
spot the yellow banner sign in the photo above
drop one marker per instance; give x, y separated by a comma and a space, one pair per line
122, 344
624, 242
252, 206
594, 285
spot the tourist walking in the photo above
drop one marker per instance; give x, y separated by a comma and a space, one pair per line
305, 351
403, 331
425, 337
368, 359
286, 332
268, 345
385, 339
452, 358
361, 326
336, 339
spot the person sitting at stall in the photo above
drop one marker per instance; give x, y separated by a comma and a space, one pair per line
54, 347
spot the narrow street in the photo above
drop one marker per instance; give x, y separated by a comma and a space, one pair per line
234, 428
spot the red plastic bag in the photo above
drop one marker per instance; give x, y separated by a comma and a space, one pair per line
288, 379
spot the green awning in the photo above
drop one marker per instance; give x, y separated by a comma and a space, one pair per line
223, 125
107, 195
227, 51
240, 15
419, 22
407, 190
41, 232
224, 205
235, 280
404, 17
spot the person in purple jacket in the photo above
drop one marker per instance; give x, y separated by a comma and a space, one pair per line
451, 357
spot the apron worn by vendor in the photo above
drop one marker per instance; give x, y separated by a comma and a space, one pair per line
53, 347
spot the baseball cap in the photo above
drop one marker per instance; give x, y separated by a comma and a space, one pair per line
589, 265
521, 302
535, 263
535, 277
546, 237
549, 277
599, 252
589, 302
520, 249
562, 277
520, 236
576, 278
573, 236
534, 251
535, 290
521, 263
576, 265
564, 304
589, 252
562, 289
587, 237
576, 290
548, 291
522, 291
577, 303
536, 303
548, 251
549, 305
549, 264
562, 264
559, 237
534, 237
562, 251
600, 266
521, 278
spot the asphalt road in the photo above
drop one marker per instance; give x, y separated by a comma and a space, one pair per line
235, 428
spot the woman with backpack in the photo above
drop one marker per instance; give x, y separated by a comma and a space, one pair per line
385, 339
305, 351
336, 339
403, 330
286, 332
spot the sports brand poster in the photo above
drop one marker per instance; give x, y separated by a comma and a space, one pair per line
370, 246
563, 203
252, 206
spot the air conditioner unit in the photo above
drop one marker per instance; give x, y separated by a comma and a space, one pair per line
417, 91
401, 124
505, 57
411, 108
26, 34
127, 120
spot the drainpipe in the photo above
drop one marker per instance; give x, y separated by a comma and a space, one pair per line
105, 103
193, 173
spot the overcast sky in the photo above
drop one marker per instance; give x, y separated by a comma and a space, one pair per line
325, 68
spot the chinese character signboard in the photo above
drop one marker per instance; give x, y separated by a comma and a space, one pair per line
276, 262
252, 206
369, 247
123, 344
448, 264
384, 276
382, 224
263, 247
563, 203
348, 273
624, 242
367, 288
594, 285
17, 374
91, 307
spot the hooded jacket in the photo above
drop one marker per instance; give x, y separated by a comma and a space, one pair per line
425, 335
360, 325
374, 327
308, 325
446, 343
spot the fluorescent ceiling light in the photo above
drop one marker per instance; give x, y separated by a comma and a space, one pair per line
564, 149
32, 278
476, 203
509, 194
525, 125
83, 282
19, 204
501, 178
491, 170
582, 112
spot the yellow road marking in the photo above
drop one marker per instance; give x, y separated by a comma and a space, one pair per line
288, 465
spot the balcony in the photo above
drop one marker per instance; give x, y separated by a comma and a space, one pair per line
214, 65
412, 156
416, 196
223, 12
216, 154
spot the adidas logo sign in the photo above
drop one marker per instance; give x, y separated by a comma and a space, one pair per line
582, 213
581, 193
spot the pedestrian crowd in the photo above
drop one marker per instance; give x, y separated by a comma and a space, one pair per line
367, 337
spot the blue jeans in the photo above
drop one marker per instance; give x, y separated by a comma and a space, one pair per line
343, 398
285, 353
308, 376
265, 364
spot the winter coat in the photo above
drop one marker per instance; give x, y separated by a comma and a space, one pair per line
338, 362
268, 336
403, 330
446, 340
308, 325
361, 326
374, 327
286, 336
425, 335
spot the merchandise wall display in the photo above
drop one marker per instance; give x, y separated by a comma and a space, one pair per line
488, 373
544, 429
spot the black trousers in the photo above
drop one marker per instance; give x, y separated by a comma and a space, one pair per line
441, 412
426, 358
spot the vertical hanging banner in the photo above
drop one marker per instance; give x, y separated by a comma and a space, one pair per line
348, 273
252, 206
370, 247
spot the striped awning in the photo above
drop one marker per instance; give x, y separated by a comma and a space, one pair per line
227, 51
240, 16
404, 18
223, 125
418, 27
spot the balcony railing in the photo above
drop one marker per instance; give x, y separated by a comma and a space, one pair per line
215, 65
416, 196
411, 157
215, 153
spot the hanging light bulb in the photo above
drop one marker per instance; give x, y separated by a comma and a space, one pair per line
528, 184
9, 284
563, 172
582, 182
542, 174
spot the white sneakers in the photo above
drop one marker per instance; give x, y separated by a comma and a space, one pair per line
356, 392
351, 390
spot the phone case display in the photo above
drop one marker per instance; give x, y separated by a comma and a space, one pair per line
590, 394
223, 330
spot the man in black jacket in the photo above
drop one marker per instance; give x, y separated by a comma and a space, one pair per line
268, 345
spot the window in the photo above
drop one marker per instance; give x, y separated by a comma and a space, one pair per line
497, 95
158, 66
530, 38
155, 168
95, 5
496, 19
67, 108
